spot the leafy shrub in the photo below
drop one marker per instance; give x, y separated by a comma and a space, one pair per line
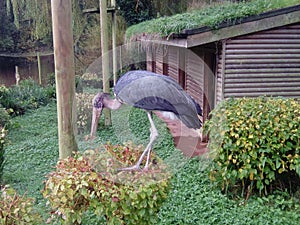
4, 122
78, 84
51, 79
4, 92
2, 150
50, 87
91, 181
51, 84
15, 209
4, 117
27, 95
84, 111
256, 142
91, 80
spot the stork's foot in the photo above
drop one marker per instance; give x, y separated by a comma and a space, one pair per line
131, 168
135, 168
89, 137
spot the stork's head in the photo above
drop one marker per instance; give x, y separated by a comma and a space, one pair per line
98, 105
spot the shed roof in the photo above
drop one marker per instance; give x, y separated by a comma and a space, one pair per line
203, 35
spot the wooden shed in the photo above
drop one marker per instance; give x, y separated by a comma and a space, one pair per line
258, 56
33, 65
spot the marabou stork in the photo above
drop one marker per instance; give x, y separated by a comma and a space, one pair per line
151, 92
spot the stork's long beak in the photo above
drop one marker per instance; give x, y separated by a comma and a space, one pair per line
97, 110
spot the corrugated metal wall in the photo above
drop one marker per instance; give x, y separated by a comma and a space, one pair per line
264, 63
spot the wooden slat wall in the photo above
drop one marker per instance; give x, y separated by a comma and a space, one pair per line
195, 77
264, 63
173, 62
220, 74
159, 61
150, 61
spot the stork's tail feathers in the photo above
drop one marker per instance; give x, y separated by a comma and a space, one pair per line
191, 121
198, 107
188, 120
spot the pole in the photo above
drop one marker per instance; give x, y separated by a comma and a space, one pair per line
64, 75
114, 40
17, 75
39, 67
104, 53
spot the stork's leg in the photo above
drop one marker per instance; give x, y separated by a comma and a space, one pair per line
95, 121
153, 136
148, 159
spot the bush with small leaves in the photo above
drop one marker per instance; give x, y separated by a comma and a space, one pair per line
91, 80
92, 181
25, 96
4, 94
84, 111
255, 143
17, 210
4, 122
2, 150
4, 117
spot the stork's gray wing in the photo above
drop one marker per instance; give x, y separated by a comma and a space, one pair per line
150, 91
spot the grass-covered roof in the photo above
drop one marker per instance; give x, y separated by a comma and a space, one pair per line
211, 16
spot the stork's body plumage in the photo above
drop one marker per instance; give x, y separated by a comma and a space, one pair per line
151, 92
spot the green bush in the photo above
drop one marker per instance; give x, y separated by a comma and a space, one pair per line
91, 181
255, 143
4, 93
51, 84
84, 111
91, 80
2, 150
4, 117
25, 96
4, 122
17, 210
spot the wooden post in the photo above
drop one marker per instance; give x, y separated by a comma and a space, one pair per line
17, 75
65, 76
114, 39
39, 67
104, 51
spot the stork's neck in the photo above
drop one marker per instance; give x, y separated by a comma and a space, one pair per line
111, 103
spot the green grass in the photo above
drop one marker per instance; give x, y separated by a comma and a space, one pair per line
33, 151
211, 16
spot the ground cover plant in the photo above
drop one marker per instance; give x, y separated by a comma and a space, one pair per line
33, 153
211, 16
256, 144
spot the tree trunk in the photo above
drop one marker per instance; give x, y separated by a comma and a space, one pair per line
64, 75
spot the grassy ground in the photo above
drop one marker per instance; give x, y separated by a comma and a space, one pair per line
33, 151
